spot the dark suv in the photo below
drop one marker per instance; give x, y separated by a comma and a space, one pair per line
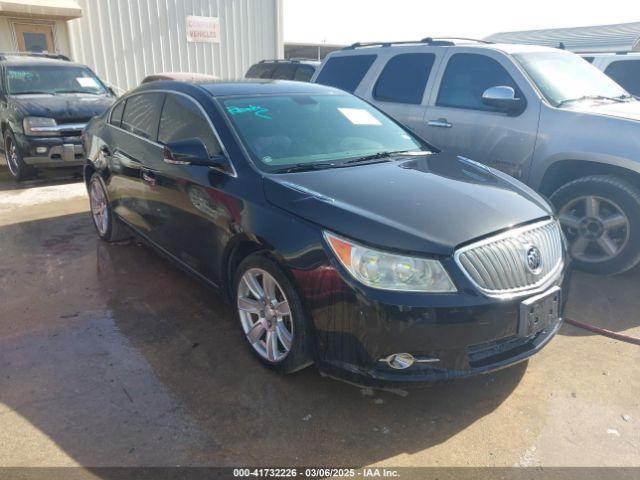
45, 103
299, 70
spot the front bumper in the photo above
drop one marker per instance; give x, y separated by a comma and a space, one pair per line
468, 333
51, 152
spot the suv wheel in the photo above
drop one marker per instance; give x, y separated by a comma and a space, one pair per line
18, 169
271, 315
600, 216
107, 225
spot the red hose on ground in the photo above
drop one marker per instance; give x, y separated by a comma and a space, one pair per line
604, 331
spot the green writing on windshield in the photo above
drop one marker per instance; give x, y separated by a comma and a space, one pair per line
19, 75
255, 109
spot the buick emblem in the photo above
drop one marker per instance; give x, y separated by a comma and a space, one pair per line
533, 259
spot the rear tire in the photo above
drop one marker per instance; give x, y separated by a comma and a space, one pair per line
600, 216
270, 313
107, 225
19, 170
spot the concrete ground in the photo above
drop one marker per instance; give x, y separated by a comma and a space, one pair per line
110, 355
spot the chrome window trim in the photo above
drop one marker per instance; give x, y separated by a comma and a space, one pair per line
233, 173
544, 283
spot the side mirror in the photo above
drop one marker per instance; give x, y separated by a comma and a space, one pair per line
112, 91
503, 98
191, 151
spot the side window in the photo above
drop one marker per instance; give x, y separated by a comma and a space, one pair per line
116, 113
181, 119
142, 114
626, 73
261, 70
466, 78
304, 73
345, 72
404, 78
284, 71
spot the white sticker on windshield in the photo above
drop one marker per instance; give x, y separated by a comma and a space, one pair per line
359, 116
87, 82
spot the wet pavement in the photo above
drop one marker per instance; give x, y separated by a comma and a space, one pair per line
110, 355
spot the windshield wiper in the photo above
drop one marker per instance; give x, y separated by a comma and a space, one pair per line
378, 156
306, 167
77, 91
31, 92
593, 97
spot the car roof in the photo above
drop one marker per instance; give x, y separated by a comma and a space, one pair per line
251, 86
297, 61
179, 76
30, 60
620, 55
508, 48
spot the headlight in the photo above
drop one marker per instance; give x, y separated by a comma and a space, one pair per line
388, 271
39, 126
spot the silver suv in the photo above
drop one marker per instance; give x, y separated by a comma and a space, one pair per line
623, 67
542, 115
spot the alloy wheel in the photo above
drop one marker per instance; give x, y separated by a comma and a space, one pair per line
596, 227
99, 209
265, 315
11, 154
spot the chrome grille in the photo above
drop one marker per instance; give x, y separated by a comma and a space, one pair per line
498, 265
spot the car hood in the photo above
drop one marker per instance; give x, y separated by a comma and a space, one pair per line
428, 204
626, 110
72, 107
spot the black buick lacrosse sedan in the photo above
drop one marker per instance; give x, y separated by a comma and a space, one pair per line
340, 237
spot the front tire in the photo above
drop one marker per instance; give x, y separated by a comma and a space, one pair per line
600, 216
270, 313
108, 226
19, 170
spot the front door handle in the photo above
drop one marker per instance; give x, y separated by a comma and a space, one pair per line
150, 178
441, 122
105, 150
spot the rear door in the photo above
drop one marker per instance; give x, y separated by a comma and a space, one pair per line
401, 84
456, 118
134, 154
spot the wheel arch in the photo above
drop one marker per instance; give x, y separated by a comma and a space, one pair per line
236, 251
564, 171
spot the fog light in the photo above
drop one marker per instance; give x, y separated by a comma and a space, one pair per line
41, 149
400, 361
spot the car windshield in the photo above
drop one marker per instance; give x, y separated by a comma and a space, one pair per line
564, 76
51, 79
308, 130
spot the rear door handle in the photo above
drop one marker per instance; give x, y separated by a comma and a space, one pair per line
149, 177
441, 122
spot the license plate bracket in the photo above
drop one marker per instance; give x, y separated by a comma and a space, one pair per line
539, 311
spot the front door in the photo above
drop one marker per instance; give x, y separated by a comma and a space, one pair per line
190, 210
34, 37
457, 119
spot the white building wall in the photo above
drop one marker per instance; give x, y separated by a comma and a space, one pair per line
126, 40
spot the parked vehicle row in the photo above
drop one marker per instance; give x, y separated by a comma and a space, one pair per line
45, 103
542, 115
340, 237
